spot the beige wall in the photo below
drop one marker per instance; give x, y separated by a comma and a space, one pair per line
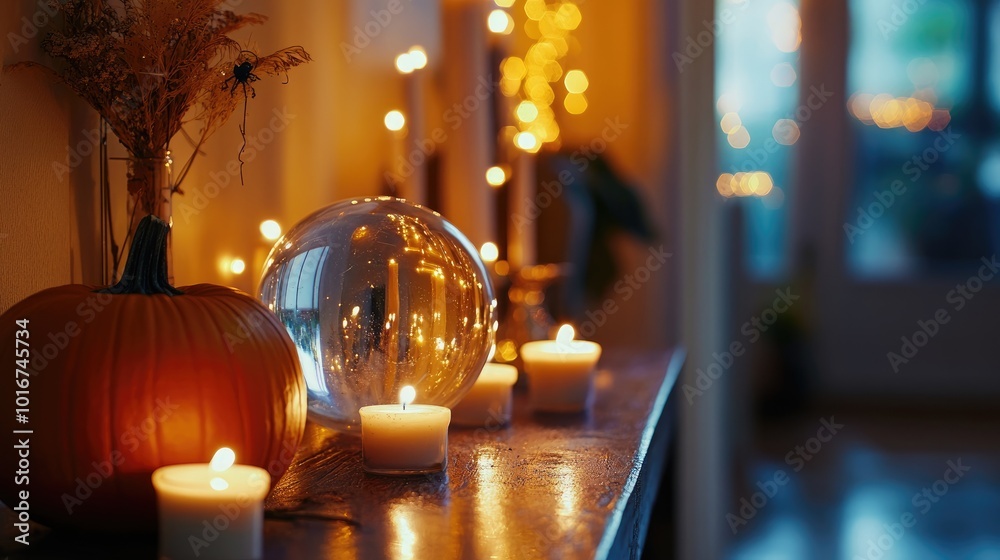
629, 81
43, 214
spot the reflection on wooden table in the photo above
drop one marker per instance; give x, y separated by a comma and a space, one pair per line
547, 486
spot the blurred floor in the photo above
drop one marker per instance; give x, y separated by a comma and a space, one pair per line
907, 485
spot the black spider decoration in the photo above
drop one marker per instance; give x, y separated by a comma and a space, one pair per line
243, 76
244, 68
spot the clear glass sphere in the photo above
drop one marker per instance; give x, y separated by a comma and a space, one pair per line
378, 294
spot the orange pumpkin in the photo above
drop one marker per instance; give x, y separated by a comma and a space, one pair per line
138, 376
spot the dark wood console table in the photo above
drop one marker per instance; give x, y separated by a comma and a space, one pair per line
559, 487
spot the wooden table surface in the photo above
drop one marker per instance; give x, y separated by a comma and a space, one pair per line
552, 486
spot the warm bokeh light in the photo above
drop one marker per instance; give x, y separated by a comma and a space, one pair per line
237, 266
760, 183
223, 459
496, 176
576, 81
513, 68
417, 57
404, 63
534, 76
526, 111
739, 138
504, 3
786, 132
535, 9
754, 183
730, 123
575, 103
526, 141
270, 229
394, 120
568, 16
728, 103
489, 252
724, 184
500, 22
886, 111
506, 351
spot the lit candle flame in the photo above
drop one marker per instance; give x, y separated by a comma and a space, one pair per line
223, 459
406, 395
565, 334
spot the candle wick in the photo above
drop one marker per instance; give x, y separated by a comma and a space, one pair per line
404, 405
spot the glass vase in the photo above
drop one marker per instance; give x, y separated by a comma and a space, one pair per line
150, 191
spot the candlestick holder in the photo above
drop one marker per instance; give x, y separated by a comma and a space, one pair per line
525, 317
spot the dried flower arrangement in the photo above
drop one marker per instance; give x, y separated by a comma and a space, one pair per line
151, 66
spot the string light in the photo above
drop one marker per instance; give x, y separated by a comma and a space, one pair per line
886, 111
526, 141
526, 111
535, 76
739, 138
730, 123
417, 57
489, 252
404, 63
496, 176
753, 183
500, 22
270, 229
394, 120
576, 81
575, 103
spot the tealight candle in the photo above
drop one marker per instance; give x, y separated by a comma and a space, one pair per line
211, 511
488, 403
404, 438
560, 372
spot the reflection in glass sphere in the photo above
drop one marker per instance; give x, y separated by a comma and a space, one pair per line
377, 294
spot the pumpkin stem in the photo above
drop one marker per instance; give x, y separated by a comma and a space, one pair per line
146, 268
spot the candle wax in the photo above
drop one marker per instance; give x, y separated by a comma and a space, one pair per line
488, 403
199, 521
560, 374
413, 440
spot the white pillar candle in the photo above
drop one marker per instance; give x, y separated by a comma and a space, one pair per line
405, 438
560, 372
521, 227
488, 403
211, 511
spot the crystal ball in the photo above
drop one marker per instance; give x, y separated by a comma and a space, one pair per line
379, 294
